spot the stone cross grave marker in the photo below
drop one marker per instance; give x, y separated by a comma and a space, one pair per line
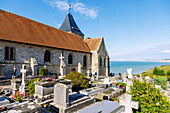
79, 67
33, 63
128, 103
23, 71
129, 70
88, 73
61, 65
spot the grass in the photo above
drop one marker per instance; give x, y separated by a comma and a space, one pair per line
164, 67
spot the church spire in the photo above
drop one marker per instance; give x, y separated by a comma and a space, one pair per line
69, 25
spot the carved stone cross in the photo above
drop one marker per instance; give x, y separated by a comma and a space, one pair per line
128, 103
61, 65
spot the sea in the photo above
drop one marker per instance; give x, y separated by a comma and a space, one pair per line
137, 66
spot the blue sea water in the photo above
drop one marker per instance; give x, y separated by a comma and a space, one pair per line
137, 66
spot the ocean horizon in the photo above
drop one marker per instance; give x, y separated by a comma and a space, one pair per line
137, 66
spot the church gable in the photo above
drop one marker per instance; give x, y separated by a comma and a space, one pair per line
102, 47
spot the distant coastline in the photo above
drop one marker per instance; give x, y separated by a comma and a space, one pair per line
138, 66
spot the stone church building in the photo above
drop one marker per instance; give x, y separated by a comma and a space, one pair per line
22, 39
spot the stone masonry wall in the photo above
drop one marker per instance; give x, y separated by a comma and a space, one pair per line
101, 53
23, 54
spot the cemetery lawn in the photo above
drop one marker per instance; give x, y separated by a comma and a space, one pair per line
163, 67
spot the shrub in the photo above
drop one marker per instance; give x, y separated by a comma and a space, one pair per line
79, 80
161, 81
31, 85
168, 73
150, 99
43, 71
157, 71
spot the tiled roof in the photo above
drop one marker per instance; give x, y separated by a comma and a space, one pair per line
20, 29
93, 43
70, 25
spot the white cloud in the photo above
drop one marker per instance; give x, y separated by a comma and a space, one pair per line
79, 7
166, 51
83, 9
61, 5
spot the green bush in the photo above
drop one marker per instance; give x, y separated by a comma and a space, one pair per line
157, 71
31, 86
161, 81
150, 99
168, 73
79, 80
43, 71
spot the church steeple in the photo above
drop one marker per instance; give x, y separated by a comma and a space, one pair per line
69, 25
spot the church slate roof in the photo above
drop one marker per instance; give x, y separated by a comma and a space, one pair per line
93, 43
16, 28
70, 25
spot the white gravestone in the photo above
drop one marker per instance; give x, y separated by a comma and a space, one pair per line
61, 65
79, 67
88, 73
33, 63
128, 103
124, 77
140, 79
129, 70
23, 71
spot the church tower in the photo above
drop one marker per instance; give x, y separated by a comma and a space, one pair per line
70, 26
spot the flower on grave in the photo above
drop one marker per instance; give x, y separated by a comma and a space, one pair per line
1, 89
19, 96
48, 79
3, 108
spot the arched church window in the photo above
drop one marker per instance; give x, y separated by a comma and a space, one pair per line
100, 62
84, 61
9, 53
104, 62
70, 59
47, 57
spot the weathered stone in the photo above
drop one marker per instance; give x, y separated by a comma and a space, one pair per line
61, 95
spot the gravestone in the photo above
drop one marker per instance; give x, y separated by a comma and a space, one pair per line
33, 64
129, 70
140, 79
124, 77
128, 103
23, 71
61, 95
79, 67
88, 73
61, 65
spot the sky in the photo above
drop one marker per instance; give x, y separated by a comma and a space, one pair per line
132, 29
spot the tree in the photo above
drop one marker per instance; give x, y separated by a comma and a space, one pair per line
168, 73
79, 80
150, 99
155, 71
